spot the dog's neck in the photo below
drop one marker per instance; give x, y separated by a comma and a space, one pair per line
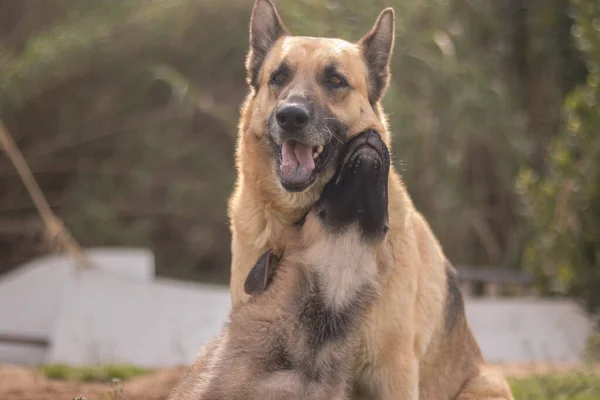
344, 265
324, 322
331, 296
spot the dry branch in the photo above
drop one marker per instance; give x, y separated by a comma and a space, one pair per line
57, 233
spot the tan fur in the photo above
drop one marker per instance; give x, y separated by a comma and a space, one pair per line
236, 365
342, 262
405, 352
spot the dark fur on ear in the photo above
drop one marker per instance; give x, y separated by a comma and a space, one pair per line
265, 28
261, 274
376, 49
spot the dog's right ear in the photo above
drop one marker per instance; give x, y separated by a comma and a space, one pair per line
265, 28
261, 274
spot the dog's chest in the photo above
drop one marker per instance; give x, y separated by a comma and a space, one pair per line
344, 266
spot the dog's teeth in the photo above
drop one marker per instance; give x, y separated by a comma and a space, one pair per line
317, 151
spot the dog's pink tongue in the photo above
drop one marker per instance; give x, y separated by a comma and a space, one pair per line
297, 163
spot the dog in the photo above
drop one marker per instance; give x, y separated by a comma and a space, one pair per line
295, 338
307, 97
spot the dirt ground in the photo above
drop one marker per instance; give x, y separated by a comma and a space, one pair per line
19, 383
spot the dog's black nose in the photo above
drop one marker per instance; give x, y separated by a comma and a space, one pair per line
292, 117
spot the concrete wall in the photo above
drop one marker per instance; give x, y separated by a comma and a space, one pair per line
528, 330
118, 312
30, 300
157, 324
32, 296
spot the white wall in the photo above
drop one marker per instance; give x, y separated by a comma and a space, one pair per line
528, 330
155, 324
32, 296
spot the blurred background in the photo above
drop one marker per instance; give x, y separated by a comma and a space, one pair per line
126, 113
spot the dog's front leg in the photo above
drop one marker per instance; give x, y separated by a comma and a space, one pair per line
395, 377
400, 378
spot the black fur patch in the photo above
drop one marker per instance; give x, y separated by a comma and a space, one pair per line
324, 324
358, 192
455, 308
281, 360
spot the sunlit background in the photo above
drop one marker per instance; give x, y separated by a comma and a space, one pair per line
126, 112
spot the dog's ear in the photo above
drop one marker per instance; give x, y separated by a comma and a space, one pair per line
265, 28
376, 47
260, 275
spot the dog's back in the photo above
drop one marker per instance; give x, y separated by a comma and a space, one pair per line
294, 338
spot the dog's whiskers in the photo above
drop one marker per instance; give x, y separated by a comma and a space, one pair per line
332, 135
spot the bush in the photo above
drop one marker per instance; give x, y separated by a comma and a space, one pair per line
591, 351
563, 206
127, 115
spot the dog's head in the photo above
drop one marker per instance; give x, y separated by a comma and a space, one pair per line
310, 95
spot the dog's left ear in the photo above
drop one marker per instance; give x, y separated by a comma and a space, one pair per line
261, 274
376, 47
265, 28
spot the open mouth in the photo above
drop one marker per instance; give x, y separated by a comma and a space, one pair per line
299, 164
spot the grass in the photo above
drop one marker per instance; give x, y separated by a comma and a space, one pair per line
574, 385
557, 386
105, 373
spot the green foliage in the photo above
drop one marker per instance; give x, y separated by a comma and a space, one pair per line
127, 118
459, 106
127, 114
591, 351
571, 386
106, 373
56, 371
563, 205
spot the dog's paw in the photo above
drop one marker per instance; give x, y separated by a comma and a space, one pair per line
364, 164
366, 156
358, 193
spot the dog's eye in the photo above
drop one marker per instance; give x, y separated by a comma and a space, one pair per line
278, 78
336, 81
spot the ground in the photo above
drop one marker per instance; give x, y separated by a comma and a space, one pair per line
20, 383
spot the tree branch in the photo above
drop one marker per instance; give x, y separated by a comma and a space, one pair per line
55, 229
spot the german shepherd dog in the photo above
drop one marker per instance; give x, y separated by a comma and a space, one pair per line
308, 97
295, 338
